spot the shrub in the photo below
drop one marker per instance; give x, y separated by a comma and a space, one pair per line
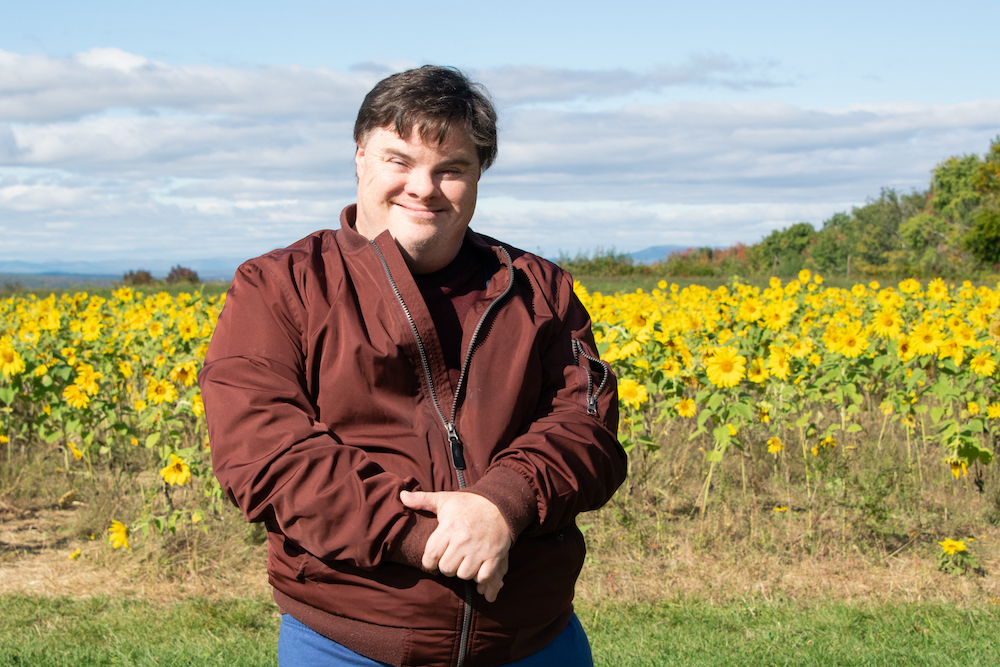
182, 274
138, 278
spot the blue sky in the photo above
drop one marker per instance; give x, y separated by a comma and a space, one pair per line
191, 130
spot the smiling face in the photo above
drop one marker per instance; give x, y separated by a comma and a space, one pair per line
424, 194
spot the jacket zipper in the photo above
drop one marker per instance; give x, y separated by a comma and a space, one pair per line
592, 395
455, 444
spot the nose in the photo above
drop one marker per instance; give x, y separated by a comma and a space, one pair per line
422, 184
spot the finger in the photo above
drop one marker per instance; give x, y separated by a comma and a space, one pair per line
450, 562
469, 569
418, 500
492, 569
433, 551
490, 590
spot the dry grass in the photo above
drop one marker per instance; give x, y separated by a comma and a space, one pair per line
864, 525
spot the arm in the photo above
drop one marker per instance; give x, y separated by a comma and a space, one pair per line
276, 462
568, 461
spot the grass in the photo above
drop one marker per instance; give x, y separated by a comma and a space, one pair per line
56, 632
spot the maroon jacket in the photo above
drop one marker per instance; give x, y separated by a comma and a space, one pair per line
326, 395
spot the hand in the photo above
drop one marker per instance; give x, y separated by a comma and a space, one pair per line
471, 541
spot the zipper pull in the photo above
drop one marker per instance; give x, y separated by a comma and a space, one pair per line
592, 405
456, 448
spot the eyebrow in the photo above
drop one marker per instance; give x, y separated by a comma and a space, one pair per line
458, 161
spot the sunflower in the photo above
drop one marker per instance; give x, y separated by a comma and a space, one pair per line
983, 364
937, 290
726, 367
926, 338
686, 408
185, 373
161, 391
11, 362
118, 535
887, 323
632, 393
952, 547
670, 368
909, 286
775, 445
852, 344
993, 411
756, 372
76, 397
177, 472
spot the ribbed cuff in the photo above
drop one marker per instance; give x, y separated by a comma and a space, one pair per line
509, 491
411, 548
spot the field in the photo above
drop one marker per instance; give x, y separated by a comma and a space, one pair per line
811, 478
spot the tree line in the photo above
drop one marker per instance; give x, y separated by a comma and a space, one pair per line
951, 230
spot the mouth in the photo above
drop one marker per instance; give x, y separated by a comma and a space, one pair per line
418, 212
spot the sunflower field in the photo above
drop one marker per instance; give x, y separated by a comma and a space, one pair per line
795, 373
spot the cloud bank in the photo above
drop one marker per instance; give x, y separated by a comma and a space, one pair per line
110, 155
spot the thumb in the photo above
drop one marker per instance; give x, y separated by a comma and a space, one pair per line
418, 500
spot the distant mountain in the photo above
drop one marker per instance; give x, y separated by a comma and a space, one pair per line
655, 253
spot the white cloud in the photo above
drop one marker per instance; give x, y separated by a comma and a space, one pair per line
145, 159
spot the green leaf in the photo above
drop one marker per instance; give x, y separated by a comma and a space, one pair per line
936, 414
741, 409
7, 395
975, 425
715, 401
714, 456
854, 428
154, 438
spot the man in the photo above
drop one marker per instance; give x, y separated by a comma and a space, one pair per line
416, 412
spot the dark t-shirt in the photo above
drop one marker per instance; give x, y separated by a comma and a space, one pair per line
450, 294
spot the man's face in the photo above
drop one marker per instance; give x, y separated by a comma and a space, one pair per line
423, 193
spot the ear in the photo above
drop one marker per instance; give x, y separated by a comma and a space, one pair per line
359, 159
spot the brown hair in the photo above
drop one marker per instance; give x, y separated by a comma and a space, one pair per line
434, 99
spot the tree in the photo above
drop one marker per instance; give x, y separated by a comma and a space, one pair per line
138, 278
179, 274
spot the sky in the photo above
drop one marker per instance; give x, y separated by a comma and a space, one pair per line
182, 131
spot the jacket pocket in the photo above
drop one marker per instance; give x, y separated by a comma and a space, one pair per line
598, 374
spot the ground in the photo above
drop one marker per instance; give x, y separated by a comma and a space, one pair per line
34, 559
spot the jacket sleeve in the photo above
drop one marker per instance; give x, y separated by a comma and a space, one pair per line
275, 461
569, 459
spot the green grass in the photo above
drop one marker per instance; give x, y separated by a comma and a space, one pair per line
44, 632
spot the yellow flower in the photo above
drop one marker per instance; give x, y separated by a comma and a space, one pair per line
161, 391
41, 370
125, 368
11, 362
686, 408
951, 547
757, 372
155, 330
993, 411
983, 364
973, 408
852, 344
926, 338
782, 508
959, 468
76, 397
185, 373
909, 286
77, 454
140, 405
775, 445
670, 368
726, 367
197, 405
75, 555
118, 535
177, 472
804, 276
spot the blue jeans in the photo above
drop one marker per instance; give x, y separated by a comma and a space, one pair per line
299, 645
